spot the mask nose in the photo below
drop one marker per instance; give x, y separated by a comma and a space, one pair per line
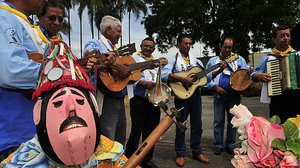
71, 107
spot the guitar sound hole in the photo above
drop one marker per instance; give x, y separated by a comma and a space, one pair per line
194, 77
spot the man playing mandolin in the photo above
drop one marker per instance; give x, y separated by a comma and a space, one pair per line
183, 61
225, 97
144, 115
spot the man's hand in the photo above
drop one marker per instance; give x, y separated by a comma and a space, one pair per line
111, 57
120, 70
187, 82
102, 60
107, 60
147, 84
220, 91
91, 63
264, 77
223, 65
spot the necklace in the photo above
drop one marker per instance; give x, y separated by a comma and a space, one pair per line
282, 53
146, 58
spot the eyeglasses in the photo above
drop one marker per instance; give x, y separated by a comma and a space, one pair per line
227, 47
148, 47
53, 18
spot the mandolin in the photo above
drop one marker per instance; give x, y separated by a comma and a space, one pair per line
116, 84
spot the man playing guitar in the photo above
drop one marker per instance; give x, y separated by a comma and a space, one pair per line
111, 104
193, 105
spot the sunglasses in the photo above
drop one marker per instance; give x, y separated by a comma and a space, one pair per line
53, 18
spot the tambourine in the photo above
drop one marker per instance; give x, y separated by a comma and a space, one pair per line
158, 94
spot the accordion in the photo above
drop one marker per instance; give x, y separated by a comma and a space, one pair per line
285, 73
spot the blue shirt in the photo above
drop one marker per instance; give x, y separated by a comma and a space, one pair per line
170, 68
17, 72
222, 79
138, 89
100, 46
261, 66
45, 32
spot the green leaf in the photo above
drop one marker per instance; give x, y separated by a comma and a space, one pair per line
290, 129
275, 120
294, 146
279, 144
238, 143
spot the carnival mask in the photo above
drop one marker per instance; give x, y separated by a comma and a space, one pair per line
68, 125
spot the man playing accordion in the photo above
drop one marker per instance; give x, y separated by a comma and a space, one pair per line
283, 104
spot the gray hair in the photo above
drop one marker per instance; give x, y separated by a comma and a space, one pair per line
109, 21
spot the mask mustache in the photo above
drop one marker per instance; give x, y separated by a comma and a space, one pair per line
72, 122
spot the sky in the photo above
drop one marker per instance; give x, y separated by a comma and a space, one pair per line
138, 33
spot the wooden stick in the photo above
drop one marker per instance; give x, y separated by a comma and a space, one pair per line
148, 144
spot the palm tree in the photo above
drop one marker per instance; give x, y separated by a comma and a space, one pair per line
82, 5
119, 5
136, 7
96, 10
66, 27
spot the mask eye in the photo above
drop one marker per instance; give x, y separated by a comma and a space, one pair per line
80, 101
58, 104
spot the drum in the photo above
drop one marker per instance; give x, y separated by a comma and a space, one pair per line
158, 94
241, 82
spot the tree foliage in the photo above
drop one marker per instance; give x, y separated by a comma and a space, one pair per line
137, 7
249, 22
105, 7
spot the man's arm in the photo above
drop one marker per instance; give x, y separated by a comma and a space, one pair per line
259, 73
17, 71
167, 69
215, 73
223, 65
186, 81
243, 63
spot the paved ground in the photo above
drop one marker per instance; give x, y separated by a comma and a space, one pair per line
164, 155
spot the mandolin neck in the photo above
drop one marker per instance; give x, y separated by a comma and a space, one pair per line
83, 61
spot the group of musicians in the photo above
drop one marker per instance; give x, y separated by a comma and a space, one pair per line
19, 38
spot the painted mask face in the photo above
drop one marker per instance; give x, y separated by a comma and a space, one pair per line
68, 125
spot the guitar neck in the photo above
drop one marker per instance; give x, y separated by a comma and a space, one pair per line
206, 71
141, 65
83, 61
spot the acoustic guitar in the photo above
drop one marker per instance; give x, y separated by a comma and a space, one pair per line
115, 84
199, 79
